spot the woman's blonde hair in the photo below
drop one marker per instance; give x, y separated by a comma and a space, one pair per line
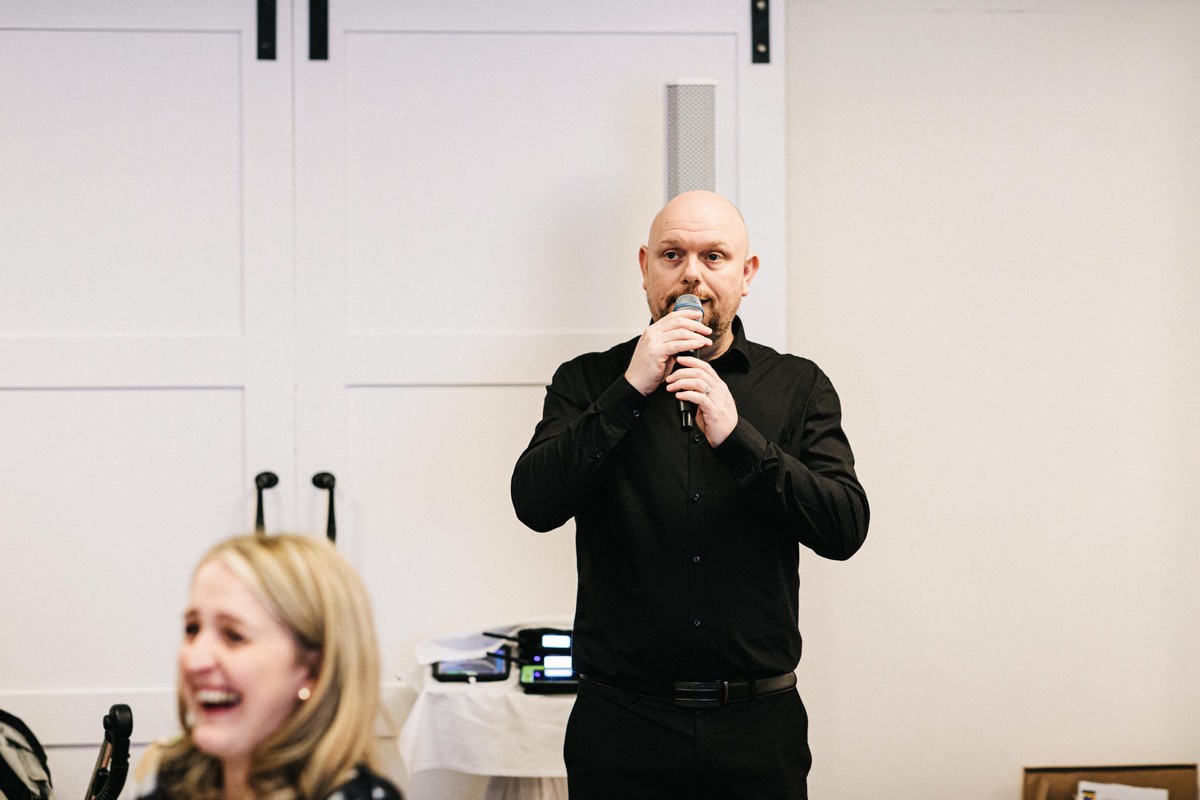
315, 593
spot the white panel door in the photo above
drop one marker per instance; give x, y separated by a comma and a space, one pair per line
145, 336
213, 265
474, 180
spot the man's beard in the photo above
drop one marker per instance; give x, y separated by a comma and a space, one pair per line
719, 324
713, 317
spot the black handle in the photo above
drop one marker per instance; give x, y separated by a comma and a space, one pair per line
266, 30
112, 765
318, 30
325, 480
263, 480
760, 32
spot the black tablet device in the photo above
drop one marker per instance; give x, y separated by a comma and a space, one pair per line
491, 667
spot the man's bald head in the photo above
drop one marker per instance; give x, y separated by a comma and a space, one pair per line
700, 209
698, 244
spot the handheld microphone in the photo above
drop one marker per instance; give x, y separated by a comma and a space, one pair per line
687, 411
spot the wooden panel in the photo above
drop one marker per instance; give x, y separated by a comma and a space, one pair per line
542, 165
145, 324
100, 485
122, 182
430, 523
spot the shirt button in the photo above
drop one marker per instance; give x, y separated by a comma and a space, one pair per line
695, 559
637, 412
695, 496
696, 438
696, 623
598, 454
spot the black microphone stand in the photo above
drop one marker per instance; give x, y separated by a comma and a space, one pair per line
112, 764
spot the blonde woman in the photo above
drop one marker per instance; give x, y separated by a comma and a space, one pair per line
278, 680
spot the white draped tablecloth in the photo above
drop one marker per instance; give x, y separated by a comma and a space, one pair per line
486, 728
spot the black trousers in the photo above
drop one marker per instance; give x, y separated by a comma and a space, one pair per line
621, 747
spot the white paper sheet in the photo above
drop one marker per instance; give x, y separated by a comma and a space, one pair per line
1090, 790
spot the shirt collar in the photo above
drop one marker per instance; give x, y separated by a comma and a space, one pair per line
737, 357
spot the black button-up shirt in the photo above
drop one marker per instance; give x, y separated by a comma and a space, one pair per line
687, 555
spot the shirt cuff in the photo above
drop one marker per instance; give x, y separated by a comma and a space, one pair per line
742, 453
622, 400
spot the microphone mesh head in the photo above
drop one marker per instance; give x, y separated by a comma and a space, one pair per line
688, 301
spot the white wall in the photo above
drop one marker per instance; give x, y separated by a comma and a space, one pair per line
993, 238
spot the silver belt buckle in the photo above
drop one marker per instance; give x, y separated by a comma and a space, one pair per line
699, 694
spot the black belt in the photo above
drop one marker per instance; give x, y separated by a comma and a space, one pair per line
699, 694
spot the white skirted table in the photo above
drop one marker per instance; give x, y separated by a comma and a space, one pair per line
486, 728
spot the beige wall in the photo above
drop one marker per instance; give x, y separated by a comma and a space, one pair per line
992, 252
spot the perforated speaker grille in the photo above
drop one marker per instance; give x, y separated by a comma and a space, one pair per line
691, 149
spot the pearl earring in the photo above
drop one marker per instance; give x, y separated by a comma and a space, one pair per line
304, 693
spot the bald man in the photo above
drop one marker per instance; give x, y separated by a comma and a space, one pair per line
687, 540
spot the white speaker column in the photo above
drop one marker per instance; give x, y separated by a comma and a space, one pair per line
691, 148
